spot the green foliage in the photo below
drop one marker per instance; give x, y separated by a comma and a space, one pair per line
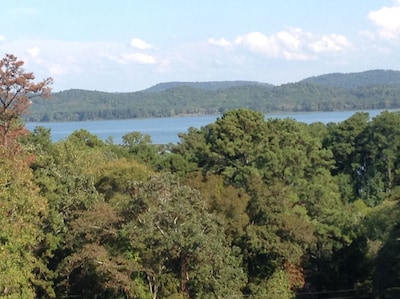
140, 148
277, 234
365, 155
228, 203
236, 142
387, 264
95, 265
384, 145
84, 139
116, 178
62, 171
294, 204
214, 85
277, 286
374, 90
249, 207
180, 245
352, 80
21, 212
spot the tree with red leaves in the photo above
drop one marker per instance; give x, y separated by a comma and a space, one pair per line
16, 90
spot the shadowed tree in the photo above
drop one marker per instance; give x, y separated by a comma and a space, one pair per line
181, 247
17, 87
21, 211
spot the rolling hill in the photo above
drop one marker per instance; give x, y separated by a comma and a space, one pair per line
376, 89
352, 80
213, 85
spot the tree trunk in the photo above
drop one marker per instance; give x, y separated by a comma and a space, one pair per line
152, 286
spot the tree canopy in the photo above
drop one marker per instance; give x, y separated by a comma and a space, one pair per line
243, 207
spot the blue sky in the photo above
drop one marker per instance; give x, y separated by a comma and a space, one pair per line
129, 45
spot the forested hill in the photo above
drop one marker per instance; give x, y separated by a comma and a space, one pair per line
212, 85
351, 80
378, 89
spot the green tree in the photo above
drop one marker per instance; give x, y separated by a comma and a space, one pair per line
237, 144
276, 238
295, 211
190, 154
83, 139
233, 146
116, 179
387, 265
96, 265
345, 142
228, 203
180, 246
65, 175
343, 139
377, 160
21, 212
141, 148
386, 137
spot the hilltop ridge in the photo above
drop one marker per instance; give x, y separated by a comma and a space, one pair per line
208, 85
351, 80
375, 89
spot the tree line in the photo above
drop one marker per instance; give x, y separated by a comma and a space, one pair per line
245, 207
368, 90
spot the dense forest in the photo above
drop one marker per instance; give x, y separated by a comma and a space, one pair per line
241, 208
333, 92
245, 207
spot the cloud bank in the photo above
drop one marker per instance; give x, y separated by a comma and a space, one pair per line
245, 54
387, 20
289, 44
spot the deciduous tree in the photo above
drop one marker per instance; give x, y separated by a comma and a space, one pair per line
17, 87
21, 212
180, 246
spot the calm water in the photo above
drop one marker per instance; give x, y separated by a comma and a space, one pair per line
165, 130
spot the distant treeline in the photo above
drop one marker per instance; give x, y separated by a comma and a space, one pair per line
333, 92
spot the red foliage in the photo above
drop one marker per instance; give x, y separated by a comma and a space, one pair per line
296, 275
16, 89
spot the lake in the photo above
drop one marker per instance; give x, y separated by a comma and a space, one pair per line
165, 130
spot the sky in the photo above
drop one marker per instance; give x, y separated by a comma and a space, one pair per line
130, 45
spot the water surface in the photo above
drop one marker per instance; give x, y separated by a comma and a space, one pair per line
165, 130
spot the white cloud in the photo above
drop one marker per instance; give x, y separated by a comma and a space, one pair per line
85, 64
293, 38
34, 52
258, 42
289, 44
331, 43
222, 42
387, 19
293, 44
137, 43
137, 58
2, 38
56, 58
128, 58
